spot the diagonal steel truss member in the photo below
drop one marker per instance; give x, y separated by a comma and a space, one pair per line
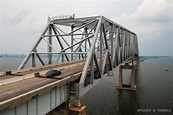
103, 44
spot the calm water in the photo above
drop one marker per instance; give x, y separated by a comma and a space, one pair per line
9, 63
153, 96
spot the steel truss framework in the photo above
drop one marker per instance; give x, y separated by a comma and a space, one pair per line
103, 43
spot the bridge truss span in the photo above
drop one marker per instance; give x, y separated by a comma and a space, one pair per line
102, 43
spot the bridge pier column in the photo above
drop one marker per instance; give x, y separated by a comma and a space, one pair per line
67, 108
110, 73
133, 77
120, 77
137, 62
78, 109
130, 86
73, 110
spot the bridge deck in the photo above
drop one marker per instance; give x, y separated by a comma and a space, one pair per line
15, 93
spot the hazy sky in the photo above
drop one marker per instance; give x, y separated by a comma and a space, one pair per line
22, 21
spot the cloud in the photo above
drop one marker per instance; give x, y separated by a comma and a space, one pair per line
152, 16
24, 21
155, 11
152, 21
20, 16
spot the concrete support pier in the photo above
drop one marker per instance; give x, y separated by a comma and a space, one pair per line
132, 85
133, 77
68, 109
73, 110
120, 77
137, 62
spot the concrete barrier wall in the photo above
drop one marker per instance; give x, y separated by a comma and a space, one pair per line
42, 104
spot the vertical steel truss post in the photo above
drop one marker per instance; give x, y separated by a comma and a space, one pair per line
111, 40
109, 63
49, 46
33, 60
116, 48
85, 32
101, 50
72, 42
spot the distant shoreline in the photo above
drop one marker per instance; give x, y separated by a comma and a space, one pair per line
23, 56
12, 56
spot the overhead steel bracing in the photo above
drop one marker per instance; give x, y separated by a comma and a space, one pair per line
103, 44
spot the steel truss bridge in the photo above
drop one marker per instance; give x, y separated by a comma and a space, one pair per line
84, 49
